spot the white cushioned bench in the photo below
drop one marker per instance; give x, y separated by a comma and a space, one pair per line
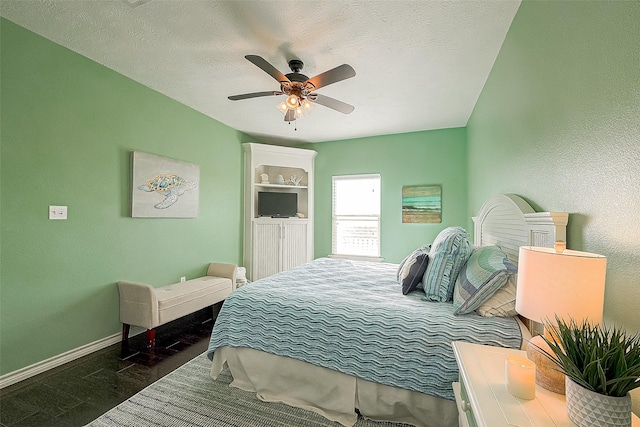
149, 307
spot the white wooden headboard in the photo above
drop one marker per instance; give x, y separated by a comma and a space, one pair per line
506, 220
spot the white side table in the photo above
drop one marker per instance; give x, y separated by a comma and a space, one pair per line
483, 399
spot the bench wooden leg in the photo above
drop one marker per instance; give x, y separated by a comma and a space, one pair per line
151, 337
125, 331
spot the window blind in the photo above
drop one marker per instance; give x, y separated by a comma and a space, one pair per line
356, 215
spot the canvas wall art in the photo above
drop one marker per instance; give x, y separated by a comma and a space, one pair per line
163, 187
421, 204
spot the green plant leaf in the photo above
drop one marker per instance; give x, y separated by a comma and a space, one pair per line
602, 359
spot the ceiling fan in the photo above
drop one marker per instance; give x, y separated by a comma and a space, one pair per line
300, 89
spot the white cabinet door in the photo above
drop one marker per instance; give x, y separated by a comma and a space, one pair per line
294, 244
277, 245
267, 249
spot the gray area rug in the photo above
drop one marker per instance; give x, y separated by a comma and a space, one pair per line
190, 397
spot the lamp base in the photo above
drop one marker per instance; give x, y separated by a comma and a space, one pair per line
547, 375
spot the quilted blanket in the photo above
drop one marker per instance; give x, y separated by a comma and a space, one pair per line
352, 317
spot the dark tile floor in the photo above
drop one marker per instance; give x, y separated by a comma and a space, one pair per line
76, 393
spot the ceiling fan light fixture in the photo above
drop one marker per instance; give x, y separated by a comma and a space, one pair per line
293, 101
307, 105
283, 107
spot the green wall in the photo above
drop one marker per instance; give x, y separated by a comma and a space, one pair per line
559, 123
68, 127
419, 158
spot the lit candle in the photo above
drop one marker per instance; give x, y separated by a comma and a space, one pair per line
521, 377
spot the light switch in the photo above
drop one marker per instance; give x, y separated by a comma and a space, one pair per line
57, 212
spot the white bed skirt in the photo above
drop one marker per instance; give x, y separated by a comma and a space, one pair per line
329, 393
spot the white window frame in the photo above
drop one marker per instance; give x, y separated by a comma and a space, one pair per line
375, 219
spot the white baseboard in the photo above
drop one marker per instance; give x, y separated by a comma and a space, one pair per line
55, 361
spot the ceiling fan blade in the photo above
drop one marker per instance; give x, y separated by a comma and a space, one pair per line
331, 103
254, 95
334, 75
262, 63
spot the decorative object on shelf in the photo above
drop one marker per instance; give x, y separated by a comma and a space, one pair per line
294, 180
163, 187
421, 204
300, 215
520, 374
265, 178
280, 179
602, 365
557, 283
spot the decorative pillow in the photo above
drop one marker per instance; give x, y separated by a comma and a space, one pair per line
412, 269
449, 251
486, 271
503, 302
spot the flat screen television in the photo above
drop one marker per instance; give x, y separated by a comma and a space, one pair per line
277, 205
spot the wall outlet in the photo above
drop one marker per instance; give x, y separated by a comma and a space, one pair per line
183, 279
57, 212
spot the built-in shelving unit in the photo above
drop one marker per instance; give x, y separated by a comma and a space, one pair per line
275, 244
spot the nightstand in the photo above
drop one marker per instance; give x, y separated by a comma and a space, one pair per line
483, 400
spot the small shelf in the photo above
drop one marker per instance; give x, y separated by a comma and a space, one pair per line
279, 185
289, 218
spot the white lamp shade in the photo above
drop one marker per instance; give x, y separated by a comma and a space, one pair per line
568, 284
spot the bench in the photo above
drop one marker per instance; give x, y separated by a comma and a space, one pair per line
149, 307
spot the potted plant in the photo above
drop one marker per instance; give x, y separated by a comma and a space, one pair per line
602, 365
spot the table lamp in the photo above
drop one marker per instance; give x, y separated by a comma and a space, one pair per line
557, 282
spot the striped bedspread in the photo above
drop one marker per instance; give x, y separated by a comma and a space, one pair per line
352, 317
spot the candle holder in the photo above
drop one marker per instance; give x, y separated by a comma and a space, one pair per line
520, 374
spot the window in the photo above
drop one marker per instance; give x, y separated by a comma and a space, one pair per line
356, 215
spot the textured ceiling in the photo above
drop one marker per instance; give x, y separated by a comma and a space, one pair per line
419, 65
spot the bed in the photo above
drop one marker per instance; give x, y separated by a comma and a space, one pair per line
335, 335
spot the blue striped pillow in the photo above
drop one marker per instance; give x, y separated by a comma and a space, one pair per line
486, 271
449, 251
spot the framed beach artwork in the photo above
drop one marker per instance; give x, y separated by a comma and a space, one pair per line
421, 204
163, 187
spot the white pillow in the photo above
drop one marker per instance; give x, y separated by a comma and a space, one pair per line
503, 302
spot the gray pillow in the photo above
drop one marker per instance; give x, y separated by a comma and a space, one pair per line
412, 269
